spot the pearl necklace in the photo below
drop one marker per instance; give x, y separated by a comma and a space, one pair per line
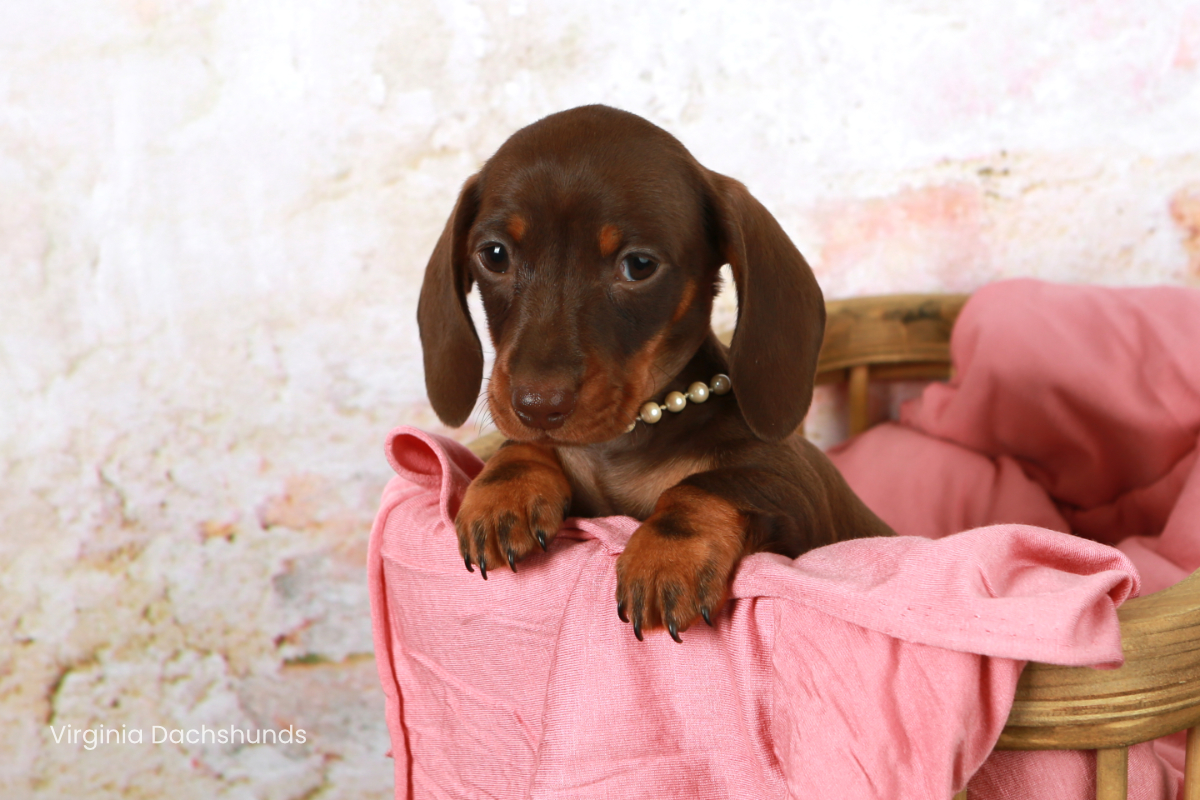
651, 412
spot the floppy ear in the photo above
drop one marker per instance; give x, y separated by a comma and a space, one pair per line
781, 314
453, 355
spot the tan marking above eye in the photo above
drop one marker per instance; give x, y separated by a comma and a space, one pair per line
610, 240
517, 226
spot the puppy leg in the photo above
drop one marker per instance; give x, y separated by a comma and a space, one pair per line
515, 504
678, 564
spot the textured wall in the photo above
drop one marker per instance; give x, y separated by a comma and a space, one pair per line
213, 222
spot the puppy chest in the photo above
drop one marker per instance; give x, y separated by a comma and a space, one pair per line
631, 488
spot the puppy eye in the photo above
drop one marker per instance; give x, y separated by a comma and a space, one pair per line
494, 257
635, 267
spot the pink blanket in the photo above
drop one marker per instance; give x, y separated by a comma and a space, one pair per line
1073, 408
871, 668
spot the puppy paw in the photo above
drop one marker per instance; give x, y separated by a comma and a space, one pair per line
516, 504
678, 564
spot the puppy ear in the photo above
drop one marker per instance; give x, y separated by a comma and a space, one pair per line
453, 355
781, 314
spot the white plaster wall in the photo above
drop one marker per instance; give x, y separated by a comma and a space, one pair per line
214, 217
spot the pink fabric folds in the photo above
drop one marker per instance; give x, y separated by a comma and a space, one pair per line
1074, 408
871, 669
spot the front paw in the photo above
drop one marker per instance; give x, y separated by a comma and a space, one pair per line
515, 504
678, 564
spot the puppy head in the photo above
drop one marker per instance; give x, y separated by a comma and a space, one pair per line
595, 239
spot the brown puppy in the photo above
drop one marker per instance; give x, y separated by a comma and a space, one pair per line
596, 239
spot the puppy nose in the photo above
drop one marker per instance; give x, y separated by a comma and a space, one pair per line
544, 407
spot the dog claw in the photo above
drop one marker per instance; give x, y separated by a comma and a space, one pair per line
483, 566
671, 629
637, 629
707, 618
467, 561
512, 562
621, 612
541, 537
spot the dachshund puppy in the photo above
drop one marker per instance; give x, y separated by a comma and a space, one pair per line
595, 239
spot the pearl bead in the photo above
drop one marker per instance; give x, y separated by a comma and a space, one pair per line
650, 413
